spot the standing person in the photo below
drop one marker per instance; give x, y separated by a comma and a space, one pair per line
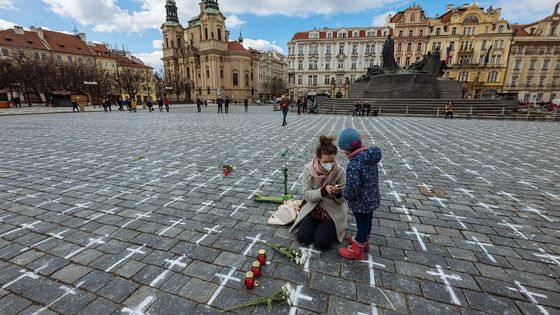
227, 104
323, 219
160, 104
246, 105
305, 105
220, 108
198, 104
361, 191
167, 102
449, 110
150, 105
109, 105
75, 107
285, 106
357, 109
298, 103
120, 103
104, 104
366, 109
133, 106
127, 104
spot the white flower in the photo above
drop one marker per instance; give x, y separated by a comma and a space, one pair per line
289, 293
301, 258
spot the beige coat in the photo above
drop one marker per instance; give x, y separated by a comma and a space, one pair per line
337, 208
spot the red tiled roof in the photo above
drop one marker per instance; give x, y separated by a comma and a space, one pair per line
26, 40
397, 17
123, 61
446, 18
66, 43
236, 46
519, 30
301, 35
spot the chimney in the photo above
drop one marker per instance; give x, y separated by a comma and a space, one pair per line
18, 30
450, 7
39, 31
201, 6
83, 37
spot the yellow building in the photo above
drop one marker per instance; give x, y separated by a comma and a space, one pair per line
202, 57
411, 30
534, 64
476, 44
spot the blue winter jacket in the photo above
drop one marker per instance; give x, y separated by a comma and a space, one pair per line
362, 183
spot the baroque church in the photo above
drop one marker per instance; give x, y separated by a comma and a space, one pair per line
202, 56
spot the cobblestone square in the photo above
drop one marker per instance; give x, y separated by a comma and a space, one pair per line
130, 213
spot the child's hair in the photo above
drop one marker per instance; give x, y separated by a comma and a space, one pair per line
326, 146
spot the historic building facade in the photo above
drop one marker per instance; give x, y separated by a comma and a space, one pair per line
411, 33
476, 45
326, 61
272, 75
45, 45
202, 56
534, 64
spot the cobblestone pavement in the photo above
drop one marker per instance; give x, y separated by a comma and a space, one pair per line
40, 109
129, 213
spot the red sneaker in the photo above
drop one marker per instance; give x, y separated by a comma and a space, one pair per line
355, 251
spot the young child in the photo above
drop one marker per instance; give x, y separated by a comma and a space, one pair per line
361, 191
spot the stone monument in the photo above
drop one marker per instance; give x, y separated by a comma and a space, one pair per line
421, 80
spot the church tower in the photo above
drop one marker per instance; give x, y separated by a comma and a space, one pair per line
173, 41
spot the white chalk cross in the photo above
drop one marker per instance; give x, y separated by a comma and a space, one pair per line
418, 237
448, 286
482, 246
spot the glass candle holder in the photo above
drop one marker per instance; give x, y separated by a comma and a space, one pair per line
262, 257
256, 269
249, 280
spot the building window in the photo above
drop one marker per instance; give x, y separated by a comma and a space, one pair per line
219, 34
300, 80
517, 65
205, 34
355, 49
69, 59
545, 64
501, 29
399, 47
342, 34
464, 76
493, 76
328, 50
354, 64
421, 33
454, 31
312, 80
438, 31
314, 35
549, 50
527, 97
221, 73
327, 79
542, 81
340, 64
419, 47
327, 64
356, 34
407, 62
5, 52
514, 81
329, 35
529, 80
300, 65
207, 74
532, 65
80, 61
520, 49
401, 33
555, 81
341, 49
410, 33
409, 47
36, 55
300, 50
246, 79
539, 97
235, 79
483, 45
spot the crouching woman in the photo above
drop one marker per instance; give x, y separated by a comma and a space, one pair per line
323, 218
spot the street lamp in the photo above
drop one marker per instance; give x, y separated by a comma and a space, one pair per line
89, 84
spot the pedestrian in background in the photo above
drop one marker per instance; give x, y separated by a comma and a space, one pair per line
220, 107
227, 104
167, 102
75, 107
285, 106
150, 105
246, 105
449, 110
120, 103
160, 104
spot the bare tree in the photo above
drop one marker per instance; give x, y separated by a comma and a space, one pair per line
159, 84
130, 80
149, 83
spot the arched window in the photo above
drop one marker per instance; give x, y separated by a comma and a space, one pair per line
206, 33
471, 19
166, 42
438, 31
412, 17
235, 79
501, 29
219, 34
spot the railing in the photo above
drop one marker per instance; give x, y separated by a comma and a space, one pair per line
478, 109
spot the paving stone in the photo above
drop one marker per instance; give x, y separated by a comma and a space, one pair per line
99, 306
323, 282
11, 304
118, 290
71, 273
198, 290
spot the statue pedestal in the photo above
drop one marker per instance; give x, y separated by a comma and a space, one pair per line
406, 86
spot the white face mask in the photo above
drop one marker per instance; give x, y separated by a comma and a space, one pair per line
328, 166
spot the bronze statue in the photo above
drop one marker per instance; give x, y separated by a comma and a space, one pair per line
389, 63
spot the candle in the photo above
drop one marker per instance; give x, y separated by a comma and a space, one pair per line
249, 280
256, 269
262, 257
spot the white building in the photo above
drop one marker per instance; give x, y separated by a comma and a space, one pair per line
327, 60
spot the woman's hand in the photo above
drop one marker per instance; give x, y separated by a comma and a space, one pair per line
333, 190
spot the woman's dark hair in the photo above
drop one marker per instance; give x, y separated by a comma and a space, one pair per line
326, 146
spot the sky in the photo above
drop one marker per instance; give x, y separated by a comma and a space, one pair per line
265, 24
